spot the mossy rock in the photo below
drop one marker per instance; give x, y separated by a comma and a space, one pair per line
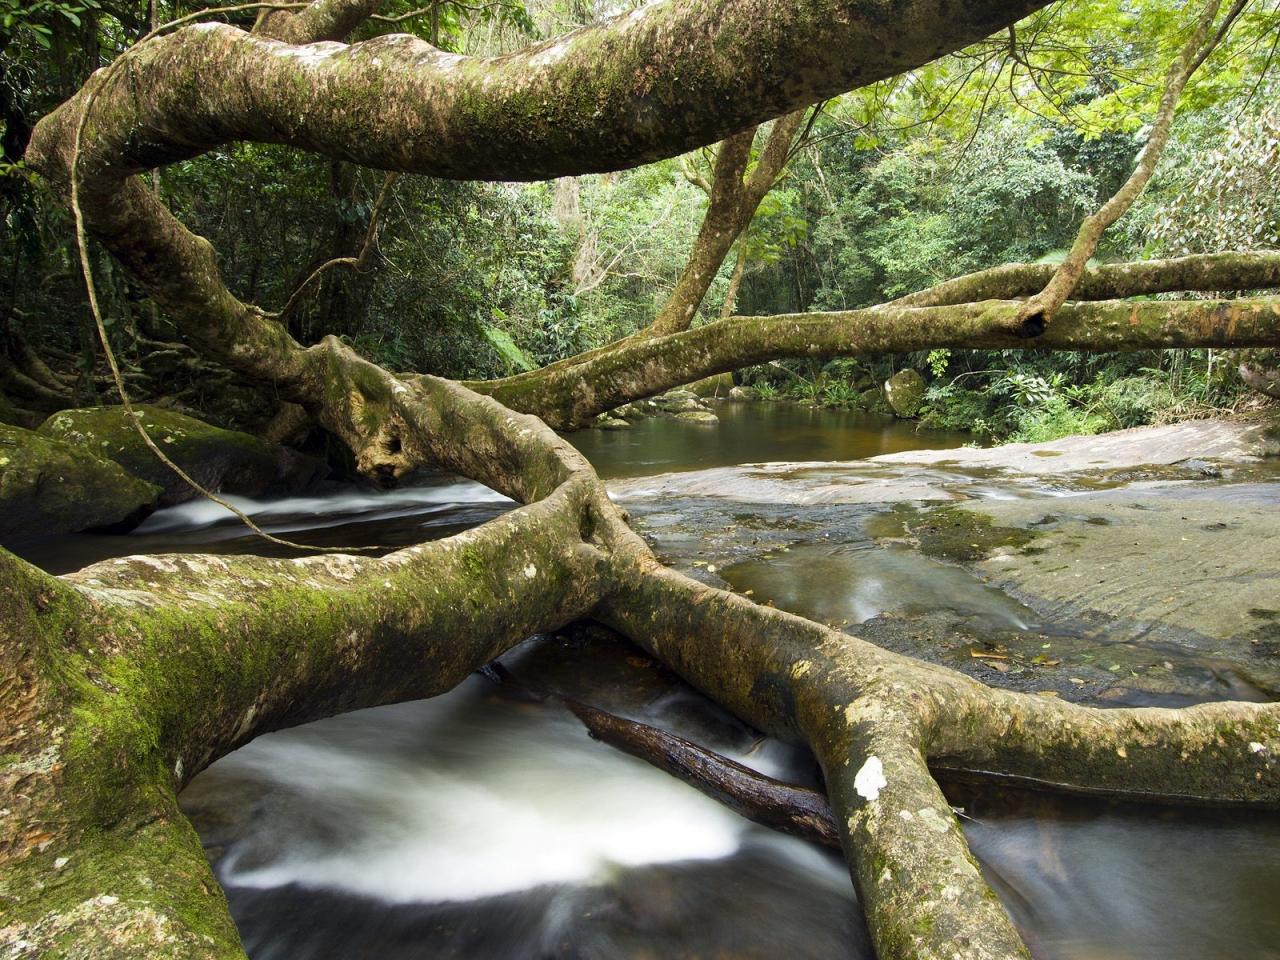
963, 536
904, 392
742, 393
873, 401
222, 460
681, 405
698, 416
48, 486
612, 423
716, 385
628, 411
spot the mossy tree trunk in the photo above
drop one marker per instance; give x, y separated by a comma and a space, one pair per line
123, 680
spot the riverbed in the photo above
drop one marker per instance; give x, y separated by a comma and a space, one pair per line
482, 825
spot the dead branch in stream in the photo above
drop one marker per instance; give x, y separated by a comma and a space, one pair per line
122, 681
785, 807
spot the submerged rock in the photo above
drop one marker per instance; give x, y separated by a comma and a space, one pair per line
48, 486
904, 392
222, 460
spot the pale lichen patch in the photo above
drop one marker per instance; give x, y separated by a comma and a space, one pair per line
870, 779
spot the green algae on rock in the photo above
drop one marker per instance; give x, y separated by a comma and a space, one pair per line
50, 486
222, 460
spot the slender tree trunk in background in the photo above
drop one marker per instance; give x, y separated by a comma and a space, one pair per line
735, 281
122, 681
733, 196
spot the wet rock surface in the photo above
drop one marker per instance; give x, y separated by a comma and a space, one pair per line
1125, 584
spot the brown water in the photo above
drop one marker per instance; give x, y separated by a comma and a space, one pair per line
476, 826
754, 433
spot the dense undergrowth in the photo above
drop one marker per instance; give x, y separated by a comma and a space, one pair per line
988, 157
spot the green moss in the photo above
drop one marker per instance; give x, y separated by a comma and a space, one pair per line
962, 536
50, 486
219, 459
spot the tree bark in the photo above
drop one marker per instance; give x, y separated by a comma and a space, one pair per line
570, 396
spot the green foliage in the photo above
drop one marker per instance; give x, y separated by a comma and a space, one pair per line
840, 394
809, 391
35, 17
1054, 418
516, 359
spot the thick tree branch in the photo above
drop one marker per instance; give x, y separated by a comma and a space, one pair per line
733, 198
1204, 273
588, 102
321, 20
570, 396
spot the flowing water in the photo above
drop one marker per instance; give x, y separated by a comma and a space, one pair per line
480, 825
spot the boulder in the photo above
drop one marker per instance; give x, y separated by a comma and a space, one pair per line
698, 416
742, 393
873, 401
904, 392
612, 423
48, 486
716, 385
224, 461
681, 405
628, 411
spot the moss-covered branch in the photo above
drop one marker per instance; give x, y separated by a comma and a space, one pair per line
877, 719
570, 396
1199, 273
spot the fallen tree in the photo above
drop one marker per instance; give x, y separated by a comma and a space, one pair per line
125, 679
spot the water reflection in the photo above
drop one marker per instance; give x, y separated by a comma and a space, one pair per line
852, 583
754, 433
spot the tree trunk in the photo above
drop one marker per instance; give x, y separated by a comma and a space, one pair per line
732, 200
735, 283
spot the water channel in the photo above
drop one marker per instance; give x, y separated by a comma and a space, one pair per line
480, 825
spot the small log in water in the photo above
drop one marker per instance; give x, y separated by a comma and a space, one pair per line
785, 807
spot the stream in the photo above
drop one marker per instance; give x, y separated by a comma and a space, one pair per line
481, 825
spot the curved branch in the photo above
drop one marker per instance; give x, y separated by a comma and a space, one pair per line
1042, 307
321, 20
654, 83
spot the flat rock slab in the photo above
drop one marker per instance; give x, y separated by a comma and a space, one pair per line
1193, 558
1017, 471
1227, 440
